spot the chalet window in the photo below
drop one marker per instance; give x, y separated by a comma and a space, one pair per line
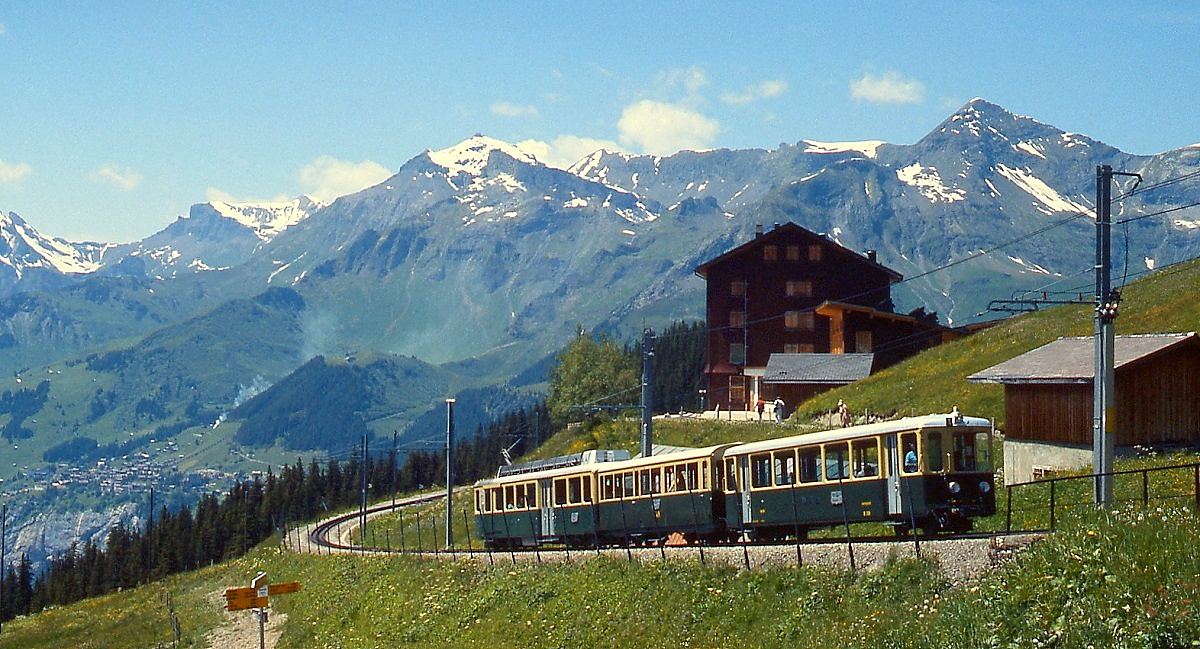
862, 342
798, 320
814, 252
791, 348
799, 288
770, 253
737, 391
737, 289
737, 354
737, 318
792, 253
807, 348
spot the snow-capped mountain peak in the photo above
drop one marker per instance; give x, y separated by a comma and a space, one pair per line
22, 247
471, 155
268, 219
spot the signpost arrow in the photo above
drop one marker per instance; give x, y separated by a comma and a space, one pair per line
256, 597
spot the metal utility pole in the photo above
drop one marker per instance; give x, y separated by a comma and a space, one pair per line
3, 548
647, 392
1107, 300
449, 472
362, 511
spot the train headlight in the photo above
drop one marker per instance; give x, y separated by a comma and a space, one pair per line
984, 487
954, 487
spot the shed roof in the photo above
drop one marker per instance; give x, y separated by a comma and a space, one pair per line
1072, 360
818, 368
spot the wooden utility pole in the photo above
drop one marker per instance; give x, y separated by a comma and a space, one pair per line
449, 472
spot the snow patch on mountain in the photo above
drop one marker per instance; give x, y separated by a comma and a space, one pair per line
471, 155
868, 148
268, 219
25, 247
1040, 191
927, 181
1031, 148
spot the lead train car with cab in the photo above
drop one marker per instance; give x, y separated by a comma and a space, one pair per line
931, 472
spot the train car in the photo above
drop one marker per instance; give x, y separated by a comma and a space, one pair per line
932, 472
542, 501
670, 495
588, 501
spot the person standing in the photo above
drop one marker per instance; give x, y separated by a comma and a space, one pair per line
779, 406
843, 413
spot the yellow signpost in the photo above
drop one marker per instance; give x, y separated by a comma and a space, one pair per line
256, 597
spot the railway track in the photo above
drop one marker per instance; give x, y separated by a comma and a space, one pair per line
962, 556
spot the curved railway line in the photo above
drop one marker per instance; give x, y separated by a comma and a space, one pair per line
961, 556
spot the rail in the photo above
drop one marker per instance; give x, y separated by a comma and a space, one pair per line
1074, 489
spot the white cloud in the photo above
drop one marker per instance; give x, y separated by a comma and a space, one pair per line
662, 129
566, 150
691, 79
888, 88
509, 109
126, 179
12, 172
764, 90
327, 178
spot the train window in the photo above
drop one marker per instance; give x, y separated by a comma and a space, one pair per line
908, 450
574, 490
497, 499
688, 476
965, 452
478, 503
837, 461
510, 497
628, 485
933, 452
560, 492
785, 467
731, 483
587, 489
865, 454
669, 480
519, 502
531, 494
983, 451
810, 464
704, 475
760, 470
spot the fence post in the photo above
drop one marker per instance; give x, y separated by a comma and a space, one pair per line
1196, 485
1052, 483
1145, 488
1008, 516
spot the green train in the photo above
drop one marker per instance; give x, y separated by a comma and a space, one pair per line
933, 472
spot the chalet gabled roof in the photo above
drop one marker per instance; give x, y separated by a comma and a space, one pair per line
784, 232
1073, 360
837, 369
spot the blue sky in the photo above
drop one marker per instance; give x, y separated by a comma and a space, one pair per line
114, 120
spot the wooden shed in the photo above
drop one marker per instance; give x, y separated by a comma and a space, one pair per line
1048, 399
798, 377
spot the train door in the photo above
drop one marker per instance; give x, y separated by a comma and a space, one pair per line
547, 502
744, 483
895, 501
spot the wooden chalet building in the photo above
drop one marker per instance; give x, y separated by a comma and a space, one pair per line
1048, 413
792, 291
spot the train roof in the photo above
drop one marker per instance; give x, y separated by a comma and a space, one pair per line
682, 454
865, 430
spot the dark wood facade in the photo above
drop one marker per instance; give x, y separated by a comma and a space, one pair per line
1157, 401
762, 298
1048, 391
